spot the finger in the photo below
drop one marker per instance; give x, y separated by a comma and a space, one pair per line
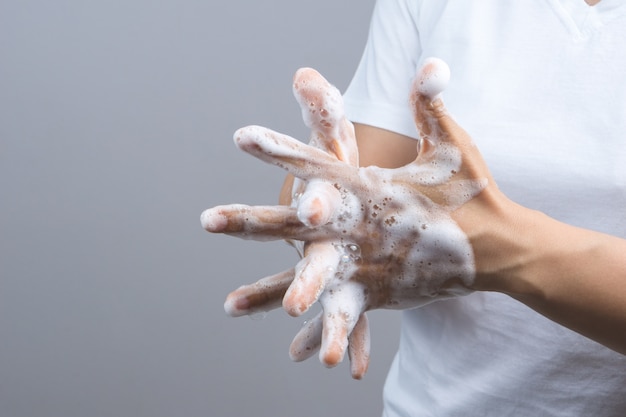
318, 203
323, 111
308, 340
359, 347
342, 308
301, 160
312, 272
436, 124
287, 191
264, 295
256, 222
430, 81
289, 196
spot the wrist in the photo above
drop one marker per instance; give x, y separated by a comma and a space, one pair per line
519, 251
506, 240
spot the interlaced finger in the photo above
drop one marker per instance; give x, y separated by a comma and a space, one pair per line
312, 274
308, 340
359, 347
322, 111
260, 223
264, 295
301, 160
318, 203
342, 307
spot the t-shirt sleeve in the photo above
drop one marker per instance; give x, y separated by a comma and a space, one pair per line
378, 94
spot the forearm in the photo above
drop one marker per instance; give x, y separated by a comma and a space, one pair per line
573, 276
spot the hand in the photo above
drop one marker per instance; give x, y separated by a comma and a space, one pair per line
375, 238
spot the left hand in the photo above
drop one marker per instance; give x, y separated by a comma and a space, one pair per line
374, 237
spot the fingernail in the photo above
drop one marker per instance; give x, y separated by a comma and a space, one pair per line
236, 306
331, 358
311, 212
213, 221
294, 306
244, 137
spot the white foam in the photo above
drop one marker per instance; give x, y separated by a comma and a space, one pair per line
396, 223
433, 77
431, 256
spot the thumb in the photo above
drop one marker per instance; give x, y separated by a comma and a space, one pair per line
435, 123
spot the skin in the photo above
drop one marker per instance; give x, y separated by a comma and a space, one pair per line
573, 276
570, 275
410, 252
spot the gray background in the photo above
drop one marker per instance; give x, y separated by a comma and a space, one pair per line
116, 120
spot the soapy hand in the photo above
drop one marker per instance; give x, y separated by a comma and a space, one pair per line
373, 237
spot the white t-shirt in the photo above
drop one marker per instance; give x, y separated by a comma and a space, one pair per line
541, 87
